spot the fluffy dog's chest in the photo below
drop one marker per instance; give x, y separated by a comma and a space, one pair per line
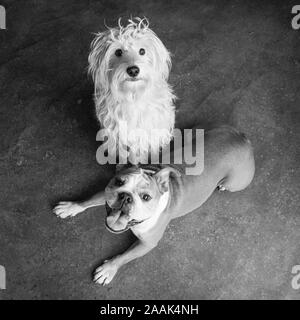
148, 116
144, 124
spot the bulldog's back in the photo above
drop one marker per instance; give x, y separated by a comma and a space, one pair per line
228, 161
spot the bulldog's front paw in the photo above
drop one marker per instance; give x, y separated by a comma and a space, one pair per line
66, 209
106, 272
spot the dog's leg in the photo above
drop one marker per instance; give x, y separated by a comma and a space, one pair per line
66, 209
106, 272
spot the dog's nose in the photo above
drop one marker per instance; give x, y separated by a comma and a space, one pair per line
133, 71
126, 197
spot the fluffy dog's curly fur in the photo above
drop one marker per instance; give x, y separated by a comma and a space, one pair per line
138, 112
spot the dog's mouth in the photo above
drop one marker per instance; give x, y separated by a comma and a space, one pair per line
134, 79
115, 222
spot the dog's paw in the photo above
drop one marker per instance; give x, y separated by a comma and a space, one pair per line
106, 272
67, 209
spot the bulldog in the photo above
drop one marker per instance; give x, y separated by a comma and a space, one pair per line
146, 198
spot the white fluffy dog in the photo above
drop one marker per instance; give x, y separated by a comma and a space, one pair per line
134, 102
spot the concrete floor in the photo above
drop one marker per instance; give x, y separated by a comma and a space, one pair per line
235, 62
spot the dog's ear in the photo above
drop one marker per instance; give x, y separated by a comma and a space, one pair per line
162, 59
149, 172
99, 46
163, 176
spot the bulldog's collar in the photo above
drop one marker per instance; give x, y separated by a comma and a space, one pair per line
134, 222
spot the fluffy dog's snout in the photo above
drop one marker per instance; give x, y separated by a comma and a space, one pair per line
133, 71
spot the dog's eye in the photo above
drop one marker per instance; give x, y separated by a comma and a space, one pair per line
146, 197
142, 51
118, 52
119, 182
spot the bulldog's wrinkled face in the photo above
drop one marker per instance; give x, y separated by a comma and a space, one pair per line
132, 197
